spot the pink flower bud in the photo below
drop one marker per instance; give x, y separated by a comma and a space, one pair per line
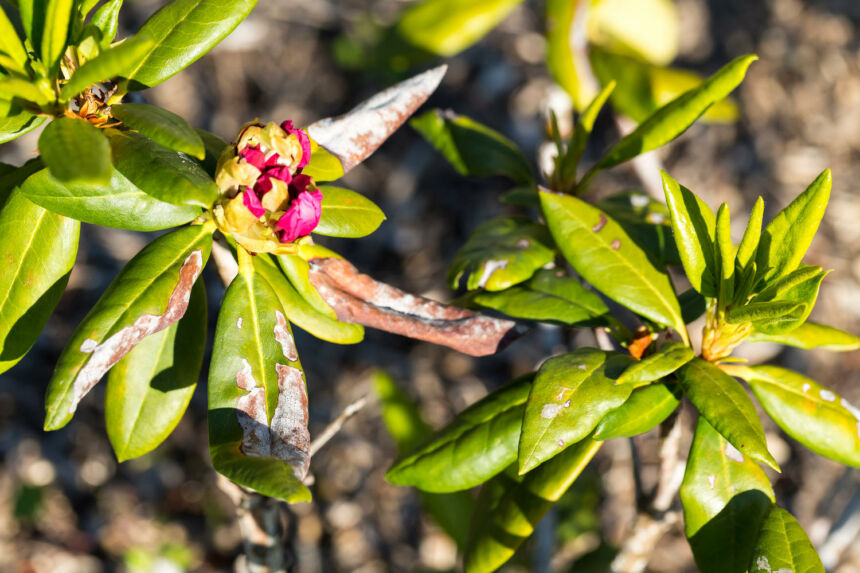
301, 217
304, 141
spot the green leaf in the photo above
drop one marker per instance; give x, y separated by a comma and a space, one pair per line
674, 118
110, 64
214, 146
15, 126
725, 405
773, 317
545, 297
161, 173
161, 126
521, 197
147, 296
605, 255
63, 139
258, 402
346, 213
692, 305
303, 314
37, 253
725, 497
106, 19
405, 424
148, 391
183, 31
783, 546
570, 395
644, 410
447, 27
787, 237
646, 221
725, 255
501, 253
25, 90
10, 42
323, 166
297, 270
478, 444
567, 67
120, 204
811, 335
694, 226
800, 286
816, 417
645, 29
58, 16
665, 361
472, 148
749, 244
581, 133
508, 511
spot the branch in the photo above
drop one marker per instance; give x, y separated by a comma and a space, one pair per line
329, 432
359, 299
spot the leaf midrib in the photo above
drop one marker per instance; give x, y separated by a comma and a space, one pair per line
24, 256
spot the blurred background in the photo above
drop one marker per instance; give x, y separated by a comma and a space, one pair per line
66, 506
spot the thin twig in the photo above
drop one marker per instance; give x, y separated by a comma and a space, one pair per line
329, 432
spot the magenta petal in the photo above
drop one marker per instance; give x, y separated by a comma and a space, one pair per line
263, 185
281, 172
302, 217
252, 202
254, 156
304, 141
300, 183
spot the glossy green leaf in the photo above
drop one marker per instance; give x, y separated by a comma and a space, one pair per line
570, 395
545, 297
161, 173
508, 511
727, 407
646, 221
32, 20
812, 335
646, 29
694, 226
25, 90
37, 253
63, 139
605, 255
725, 255
147, 296
109, 64
106, 19
120, 204
472, 148
668, 359
521, 197
726, 496
257, 397
323, 166
10, 42
692, 305
214, 146
183, 31
297, 270
800, 286
346, 213
161, 126
674, 118
566, 164
301, 312
816, 417
568, 68
787, 237
769, 316
478, 444
783, 546
749, 244
643, 411
19, 124
668, 83
447, 27
405, 424
58, 16
148, 391
501, 253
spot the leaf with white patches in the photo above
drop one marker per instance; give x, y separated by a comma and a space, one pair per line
783, 546
725, 497
150, 293
644, 410
149, 390
37, 253
258, 414
501, 253
570, 395
354, 136
813, 415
